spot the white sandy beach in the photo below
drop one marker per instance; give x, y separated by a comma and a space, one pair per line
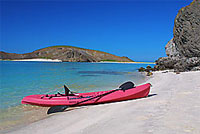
43, 60
173, 108
57, 60
127, 62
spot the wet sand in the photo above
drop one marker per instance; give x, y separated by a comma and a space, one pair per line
19, 116
172, 108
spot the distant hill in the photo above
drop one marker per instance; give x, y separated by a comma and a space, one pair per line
66, 54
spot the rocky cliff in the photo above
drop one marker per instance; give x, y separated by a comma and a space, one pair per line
183, 50
66, 54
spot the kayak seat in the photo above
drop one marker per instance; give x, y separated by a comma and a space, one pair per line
127, 85
69, 93
66, 91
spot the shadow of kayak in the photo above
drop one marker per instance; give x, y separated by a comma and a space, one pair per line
80, 107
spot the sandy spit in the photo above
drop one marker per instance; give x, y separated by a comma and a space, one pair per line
43, 60
127, 62
172, 108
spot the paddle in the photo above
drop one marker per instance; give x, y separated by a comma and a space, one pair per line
61, 108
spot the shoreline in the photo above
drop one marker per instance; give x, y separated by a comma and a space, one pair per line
159, 113
10, 119
56, 60
23, 115
37, 60
128, 62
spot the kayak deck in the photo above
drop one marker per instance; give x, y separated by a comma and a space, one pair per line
61, 99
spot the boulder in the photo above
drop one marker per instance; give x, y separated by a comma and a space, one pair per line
183, 50
187, 30
171, 49
141, 69
149, 73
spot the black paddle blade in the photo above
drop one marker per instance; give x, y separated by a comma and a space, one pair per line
127, 85
56, 109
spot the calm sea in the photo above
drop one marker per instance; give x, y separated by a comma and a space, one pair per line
19, 79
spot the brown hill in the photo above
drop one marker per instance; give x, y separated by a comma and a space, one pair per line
66, 54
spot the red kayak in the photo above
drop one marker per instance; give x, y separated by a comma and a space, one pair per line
88, 98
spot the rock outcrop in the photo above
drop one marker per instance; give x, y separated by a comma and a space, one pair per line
66, 54
183, 50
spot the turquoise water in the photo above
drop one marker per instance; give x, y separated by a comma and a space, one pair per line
19, 79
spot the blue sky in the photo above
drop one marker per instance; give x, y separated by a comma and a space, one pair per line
133, 28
